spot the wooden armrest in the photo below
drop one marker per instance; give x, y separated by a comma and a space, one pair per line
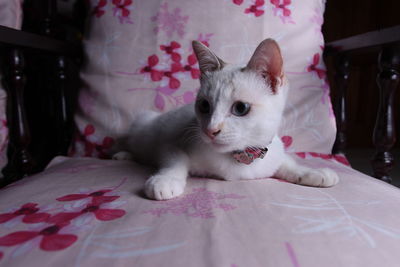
366, 42
12, 37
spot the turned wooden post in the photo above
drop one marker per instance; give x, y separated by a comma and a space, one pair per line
342, 67
384, 136
58, 89
64, 117
20, 161
49, 8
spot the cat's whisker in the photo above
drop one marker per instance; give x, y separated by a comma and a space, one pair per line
191, 133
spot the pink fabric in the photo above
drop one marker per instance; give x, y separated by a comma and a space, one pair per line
140, 57
10, 16
11, 13
90, 212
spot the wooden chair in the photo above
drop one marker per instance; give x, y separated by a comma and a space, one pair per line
384, 47
40, 66
41, 76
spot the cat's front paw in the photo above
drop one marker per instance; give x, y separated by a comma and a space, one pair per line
161, 187
323, 177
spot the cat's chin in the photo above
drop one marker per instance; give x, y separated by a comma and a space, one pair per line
219, 147
225, 148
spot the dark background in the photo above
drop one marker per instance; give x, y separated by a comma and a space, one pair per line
345, 18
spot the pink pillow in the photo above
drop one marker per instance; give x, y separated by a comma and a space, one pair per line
11, 13
10, 16
139, 56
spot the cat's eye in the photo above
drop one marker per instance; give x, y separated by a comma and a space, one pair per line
203, 106
240, 108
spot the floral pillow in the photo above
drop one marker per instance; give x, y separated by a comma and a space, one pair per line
139, 56
10, 16
11, 13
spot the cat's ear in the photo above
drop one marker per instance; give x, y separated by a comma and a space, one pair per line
208, 61
267, 61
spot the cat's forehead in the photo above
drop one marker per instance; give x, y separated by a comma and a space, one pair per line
233, 83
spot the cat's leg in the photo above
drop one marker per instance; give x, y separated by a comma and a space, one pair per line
293, 172
170, 180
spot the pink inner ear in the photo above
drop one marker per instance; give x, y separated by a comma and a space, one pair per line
273, 82
267, 61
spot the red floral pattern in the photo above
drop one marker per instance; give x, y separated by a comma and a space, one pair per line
237, 2
51, 235
313, 67
29, 213
287, 141
98, 10
169, 69
97, 196
175, 67
122, 10
301, 155
176, 57
51, 240
123, 6
283, 5
92, 147
280, 9
256, 8
155, 75
190, 66
93, 207
174, 83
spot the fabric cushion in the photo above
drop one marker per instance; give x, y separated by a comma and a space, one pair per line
11, 13
139, 56
91, 212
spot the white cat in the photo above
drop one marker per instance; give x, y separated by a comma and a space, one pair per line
229, 133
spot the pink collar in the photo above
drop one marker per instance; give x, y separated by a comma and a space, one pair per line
248, 155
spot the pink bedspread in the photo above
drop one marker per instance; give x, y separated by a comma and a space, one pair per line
90, 212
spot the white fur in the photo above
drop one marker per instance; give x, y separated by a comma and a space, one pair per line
176, 142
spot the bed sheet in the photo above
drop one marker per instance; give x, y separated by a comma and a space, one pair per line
91, 212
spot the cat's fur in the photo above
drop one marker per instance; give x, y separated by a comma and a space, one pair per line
200, 141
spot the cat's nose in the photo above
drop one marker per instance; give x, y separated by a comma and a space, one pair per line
212, 133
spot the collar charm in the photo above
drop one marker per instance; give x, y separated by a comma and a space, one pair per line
248, 155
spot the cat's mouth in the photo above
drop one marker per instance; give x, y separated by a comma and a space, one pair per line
220, 146
223, 146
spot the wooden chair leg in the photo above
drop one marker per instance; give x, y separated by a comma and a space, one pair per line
384, 136
20, 161
342, 66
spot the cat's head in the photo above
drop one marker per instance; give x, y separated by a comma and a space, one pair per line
239, 107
